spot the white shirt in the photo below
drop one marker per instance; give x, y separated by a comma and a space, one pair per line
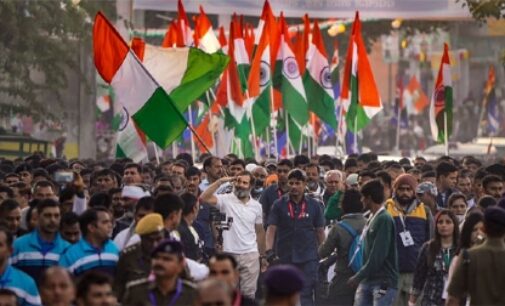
126, 238
241, 237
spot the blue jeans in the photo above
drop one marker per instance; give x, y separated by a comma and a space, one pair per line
374, 295
310, 270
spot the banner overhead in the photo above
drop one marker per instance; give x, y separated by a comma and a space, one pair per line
407, 9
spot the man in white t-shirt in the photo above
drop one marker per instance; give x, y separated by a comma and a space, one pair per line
245, 239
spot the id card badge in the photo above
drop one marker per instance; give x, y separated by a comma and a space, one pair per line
445, 295
406, 239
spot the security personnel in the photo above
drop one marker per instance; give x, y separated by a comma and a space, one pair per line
296, 223
167, 288
283, 284
480, 271
134, 263
273, 192
40, 249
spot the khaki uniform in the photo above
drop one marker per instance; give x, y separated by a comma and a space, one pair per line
133, 267
481, 275
147, 294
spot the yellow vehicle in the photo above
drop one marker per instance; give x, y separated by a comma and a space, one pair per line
18, 146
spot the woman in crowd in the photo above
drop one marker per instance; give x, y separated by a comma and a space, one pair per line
457, 204
472, 234
431, 274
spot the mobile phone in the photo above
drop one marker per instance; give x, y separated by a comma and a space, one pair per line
63, 177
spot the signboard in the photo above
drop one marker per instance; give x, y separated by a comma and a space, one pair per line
406, 9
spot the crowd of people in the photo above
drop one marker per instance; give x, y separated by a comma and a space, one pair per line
301, 231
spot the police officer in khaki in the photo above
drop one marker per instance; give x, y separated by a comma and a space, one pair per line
480, 271
167, 288
134, 263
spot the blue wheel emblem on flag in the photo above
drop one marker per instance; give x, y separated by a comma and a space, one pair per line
290, 67
124, 118
325, 76
264, 73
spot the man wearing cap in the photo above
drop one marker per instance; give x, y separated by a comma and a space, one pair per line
167, 288
427, 193
480, 271
131, 195
414, 224
296, 225
134, 263
283, 284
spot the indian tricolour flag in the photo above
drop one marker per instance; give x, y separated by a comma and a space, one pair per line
360, 97
260, 76
288, 80
317, 80
144, 102
441, 101
204, 35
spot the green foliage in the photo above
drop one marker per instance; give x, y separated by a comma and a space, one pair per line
483, 9
39, 41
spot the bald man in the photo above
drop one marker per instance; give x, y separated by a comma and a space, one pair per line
56, 287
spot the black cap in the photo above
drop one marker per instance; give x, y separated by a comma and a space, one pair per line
170, 246
495, 214
283, 280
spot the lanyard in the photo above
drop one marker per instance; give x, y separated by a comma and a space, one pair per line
238, 299
279, 193
401, 216
367, 226
363, 234
446, 259
177, 295
301, 214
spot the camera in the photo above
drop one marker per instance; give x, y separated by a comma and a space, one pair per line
220, 223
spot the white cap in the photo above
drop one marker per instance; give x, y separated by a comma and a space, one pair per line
134, 192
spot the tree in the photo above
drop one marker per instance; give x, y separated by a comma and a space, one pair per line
38, 44
483, 9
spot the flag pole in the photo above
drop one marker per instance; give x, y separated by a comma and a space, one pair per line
274, 127
356, 134
301, 142
338, 132
190, 113
156, 154
253, 128
446, 137
267, 149
208, 93
287, 133
398, 127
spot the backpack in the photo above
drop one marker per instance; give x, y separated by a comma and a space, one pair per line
355, 252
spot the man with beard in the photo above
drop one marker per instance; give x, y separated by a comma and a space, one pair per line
414, 224
260, 175
314, 188
296, 225
246, 238
168, 288
193, 181
40, 249
276, 191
